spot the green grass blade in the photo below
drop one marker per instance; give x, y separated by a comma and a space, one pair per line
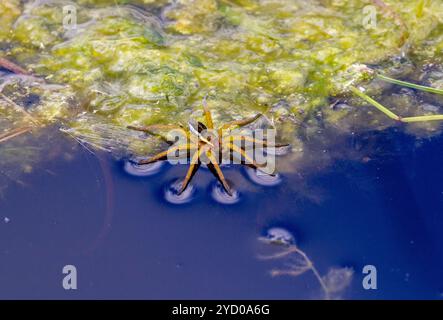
434, 117
376, 104
410, 85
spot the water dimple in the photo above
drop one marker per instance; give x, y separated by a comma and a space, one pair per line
220, 195
172, 196
277, 235
278, 151
133, 168
262, 178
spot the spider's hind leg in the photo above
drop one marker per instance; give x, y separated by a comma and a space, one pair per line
258, 143
164, 155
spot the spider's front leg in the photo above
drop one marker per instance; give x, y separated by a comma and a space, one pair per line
152, 130
243, 154
164, 155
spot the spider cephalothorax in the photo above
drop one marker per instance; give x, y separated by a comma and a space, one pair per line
203, 142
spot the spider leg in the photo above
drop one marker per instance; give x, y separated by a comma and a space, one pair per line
155, 127
215, 168
164, 154
195, 164
151, 130
208, 116
242, 152
240, 123
258, 143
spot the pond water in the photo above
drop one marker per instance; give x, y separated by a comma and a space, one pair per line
358, 187
127, 241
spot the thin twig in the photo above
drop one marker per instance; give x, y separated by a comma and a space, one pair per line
6, 64
14, 133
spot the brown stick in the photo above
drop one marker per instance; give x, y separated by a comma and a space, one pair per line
11, 66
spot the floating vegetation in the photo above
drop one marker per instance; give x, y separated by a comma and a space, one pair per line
298, 63
135, 66
295, 262
389, 113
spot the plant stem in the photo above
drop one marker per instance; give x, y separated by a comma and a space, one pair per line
410, 85
433, 117
379, 106
315, 272
13, 133
390, 114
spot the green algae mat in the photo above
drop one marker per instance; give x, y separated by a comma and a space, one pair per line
92, 68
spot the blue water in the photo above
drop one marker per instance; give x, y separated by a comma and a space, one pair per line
127, 241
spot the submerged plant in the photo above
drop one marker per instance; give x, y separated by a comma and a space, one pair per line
295, 262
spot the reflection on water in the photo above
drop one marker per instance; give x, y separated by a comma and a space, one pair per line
262, 178
172, 192
129, 241
220, 195
132, 167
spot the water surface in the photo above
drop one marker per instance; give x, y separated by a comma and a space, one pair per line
127, 241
